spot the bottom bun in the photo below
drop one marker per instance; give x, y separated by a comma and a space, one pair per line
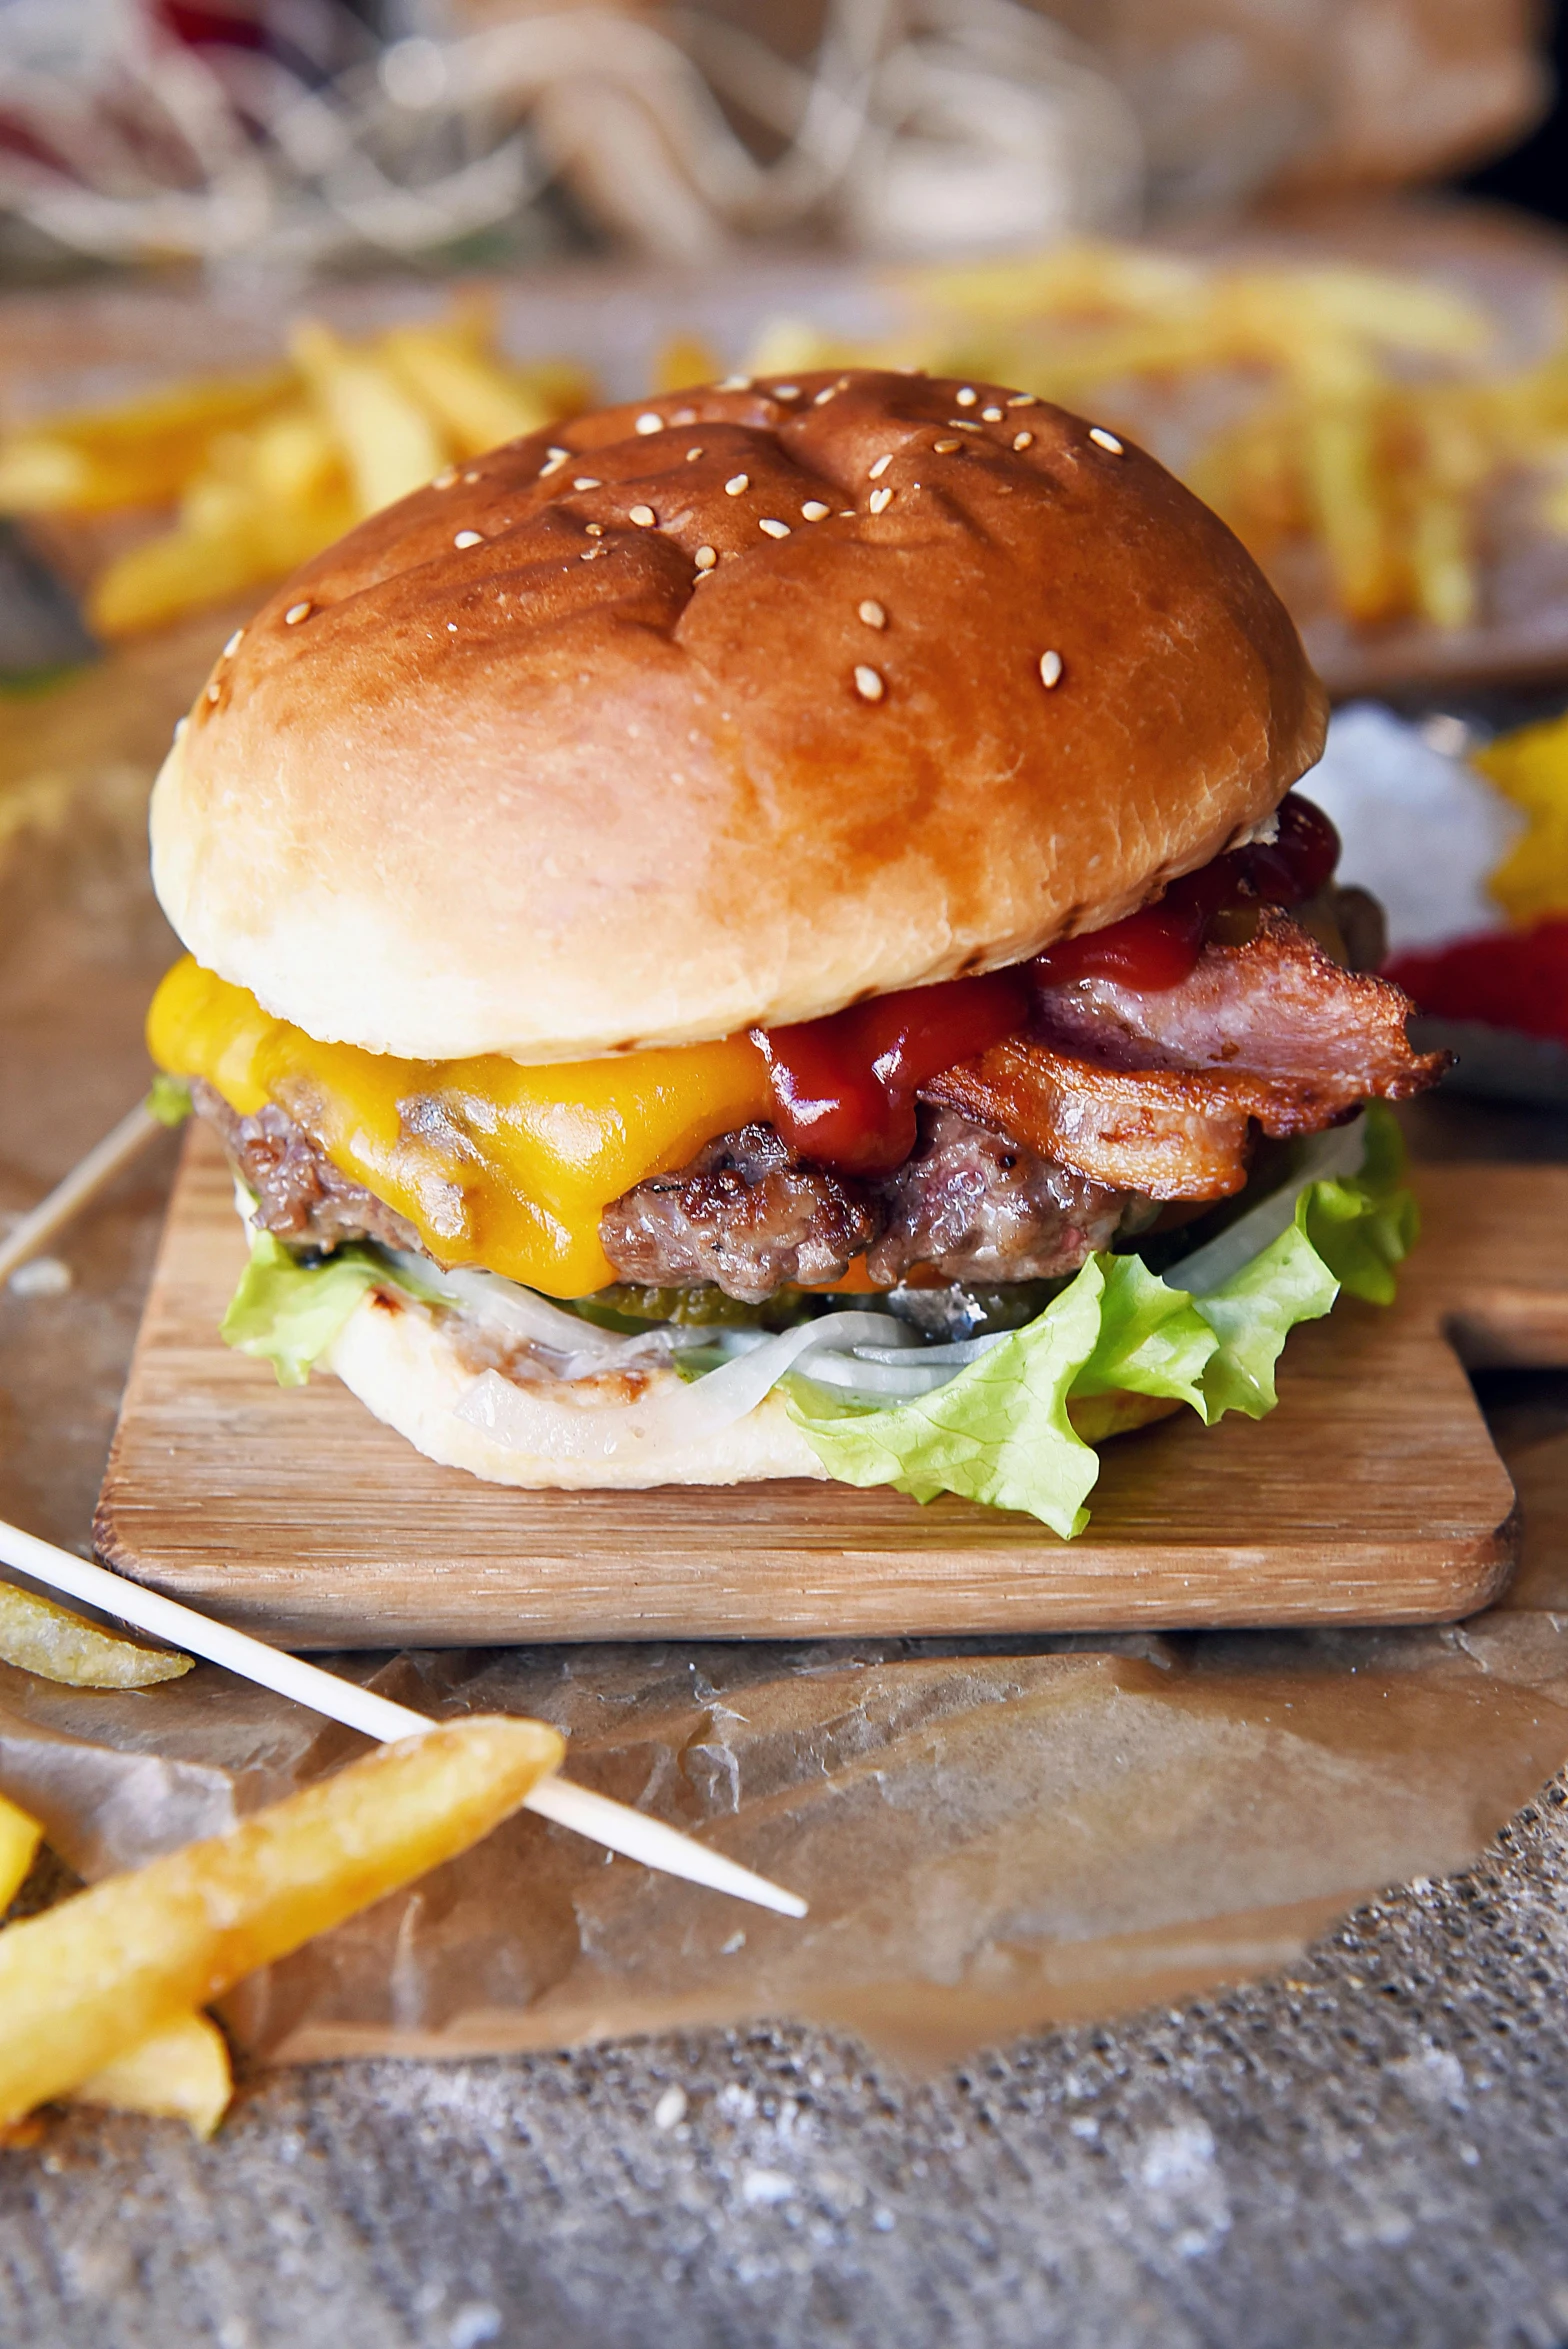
405, 1368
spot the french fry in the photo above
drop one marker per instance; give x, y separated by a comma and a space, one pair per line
20, 1837
37, 1636
139, 454
182, 571
106, 1969
1452, 464
266, 502
181, 2073
475, 403
684, 359
268, 469
388, 442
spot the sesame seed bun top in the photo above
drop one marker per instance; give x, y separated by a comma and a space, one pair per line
730, 709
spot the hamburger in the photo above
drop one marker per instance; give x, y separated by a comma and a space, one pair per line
771, 935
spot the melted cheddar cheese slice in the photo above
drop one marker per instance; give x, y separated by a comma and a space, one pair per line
493, 1164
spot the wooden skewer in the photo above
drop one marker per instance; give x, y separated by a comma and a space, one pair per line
576, 1807
70, 1195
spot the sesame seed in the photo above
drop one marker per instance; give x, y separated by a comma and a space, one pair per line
815, 511
872, 613
212, 692
736, 483
594, 529
786, 391
734, 383
234, 643
880, 500
649, 422
587, 481
644, 517
846, 513
451, 627
684, 416
881, 466
829, 391
692, 455
967, 397
553, 463
991, 415
1050, 669
1105, 440
961, 424
773, 528
180, 725
868, 682
446, 479
470, 477
945, 448
295, 613
1023, 440
590, 554
1023, 400
706, 557
467, 538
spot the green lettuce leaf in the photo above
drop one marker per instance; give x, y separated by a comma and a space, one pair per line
169, 1099
1363, 1225
288, 1313
1254, 1312
999, 1431
1152, 1339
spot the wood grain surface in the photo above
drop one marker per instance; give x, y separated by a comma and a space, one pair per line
1372, 1495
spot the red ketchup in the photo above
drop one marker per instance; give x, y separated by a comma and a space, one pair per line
1513, 979
1158, 946
844, 1087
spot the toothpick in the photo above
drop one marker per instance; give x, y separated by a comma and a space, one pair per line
70, 1195
577, 1807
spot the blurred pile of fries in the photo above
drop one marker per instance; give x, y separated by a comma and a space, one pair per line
102, 1991
1357, 417
264, 470
1353, 425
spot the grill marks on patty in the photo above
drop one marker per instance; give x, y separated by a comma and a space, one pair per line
300, 1194
977, 1206
748, 1217
745, 1215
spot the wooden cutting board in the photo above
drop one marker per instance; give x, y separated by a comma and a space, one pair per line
1372, 1495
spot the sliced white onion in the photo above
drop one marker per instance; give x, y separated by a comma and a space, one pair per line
1340, 1152
578, 1348
850, 1374
955, 1353
524, 1420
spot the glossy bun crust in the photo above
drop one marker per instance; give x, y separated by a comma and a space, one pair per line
515, 768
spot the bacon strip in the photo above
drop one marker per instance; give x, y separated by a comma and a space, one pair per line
1159, 1131
1278, 1007
1155, 1091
